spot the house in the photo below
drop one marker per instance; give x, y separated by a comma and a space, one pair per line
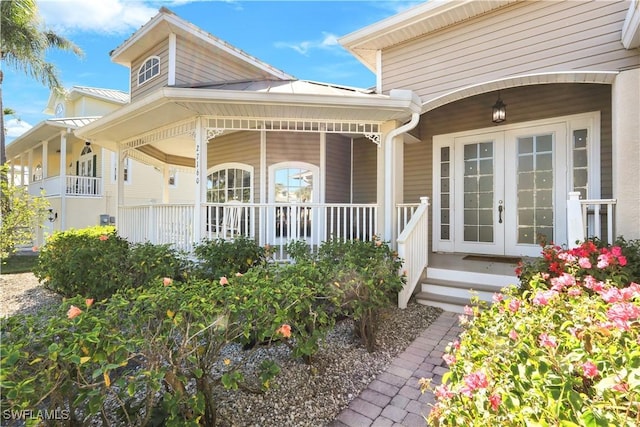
517, 119
75, 175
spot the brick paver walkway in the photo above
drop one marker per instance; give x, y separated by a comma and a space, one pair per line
394, 397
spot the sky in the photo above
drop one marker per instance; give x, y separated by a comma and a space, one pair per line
298, 37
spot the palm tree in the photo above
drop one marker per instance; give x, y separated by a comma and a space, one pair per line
24, 43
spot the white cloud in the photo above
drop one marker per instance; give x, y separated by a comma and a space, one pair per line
16, 127
103, 16
328, 41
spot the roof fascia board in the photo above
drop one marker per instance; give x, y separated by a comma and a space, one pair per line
631, 27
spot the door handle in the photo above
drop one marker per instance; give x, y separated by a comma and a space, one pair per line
500, 209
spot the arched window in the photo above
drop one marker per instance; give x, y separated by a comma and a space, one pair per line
37, 173
230, 182
148, 70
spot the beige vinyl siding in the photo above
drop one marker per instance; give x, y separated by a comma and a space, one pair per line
196, 64
365, 159
523, 104
238, 147
161, 51
338, 170
293, 147
526, 37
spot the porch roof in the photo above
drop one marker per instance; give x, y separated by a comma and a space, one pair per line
44, 131
264, 99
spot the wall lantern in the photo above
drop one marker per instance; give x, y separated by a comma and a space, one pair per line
52, 215
499, 113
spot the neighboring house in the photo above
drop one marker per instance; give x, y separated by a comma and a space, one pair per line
78, 177
277, 158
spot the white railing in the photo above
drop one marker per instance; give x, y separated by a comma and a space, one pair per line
585, 219
413, 248
50, 186
83, 186
159, 224
404, 212
278, 224
267, 223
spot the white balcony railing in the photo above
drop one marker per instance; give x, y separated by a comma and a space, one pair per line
81, 186
587, 218
413, 248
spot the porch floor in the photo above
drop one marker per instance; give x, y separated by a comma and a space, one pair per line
504, 266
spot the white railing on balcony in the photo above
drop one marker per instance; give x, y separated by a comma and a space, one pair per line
159, 224
413, 248
83, 186
587, 218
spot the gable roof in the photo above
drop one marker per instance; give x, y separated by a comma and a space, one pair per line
166, 22
108, 95
414, 22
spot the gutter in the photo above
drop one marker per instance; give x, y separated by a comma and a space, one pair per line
389, 158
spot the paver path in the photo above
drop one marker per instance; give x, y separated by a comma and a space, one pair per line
394, 397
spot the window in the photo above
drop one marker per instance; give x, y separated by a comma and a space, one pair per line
173, 175
230, 182
37, 173
127, 170
114, 169
148, 70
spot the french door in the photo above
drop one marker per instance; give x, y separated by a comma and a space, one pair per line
509, 190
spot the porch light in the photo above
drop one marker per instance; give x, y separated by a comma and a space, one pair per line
499, 113
52, 215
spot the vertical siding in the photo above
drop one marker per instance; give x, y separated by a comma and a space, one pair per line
196, 64
365, 158
338, 174
162, 51
240, 147
523, 104
526, 37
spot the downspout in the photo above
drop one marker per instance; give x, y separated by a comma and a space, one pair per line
389, 181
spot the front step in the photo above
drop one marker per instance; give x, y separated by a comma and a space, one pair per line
450, 289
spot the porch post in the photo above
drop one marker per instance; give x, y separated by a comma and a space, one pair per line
201, 179
165, 184
30, 166
263, 189
22, 180
45, 159
625, 99
63, 180
575, 227
120, 155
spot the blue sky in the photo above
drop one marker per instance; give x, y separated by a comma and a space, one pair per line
298, 37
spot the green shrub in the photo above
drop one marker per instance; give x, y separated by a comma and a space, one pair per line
217, 258
564, 351
148, 262
92, 262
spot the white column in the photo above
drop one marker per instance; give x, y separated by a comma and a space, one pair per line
63, 180
22, 162
201, 179
323, 166
45, 159
575, 226
12, 171
165, 184
626, 152
30, 157
263, 217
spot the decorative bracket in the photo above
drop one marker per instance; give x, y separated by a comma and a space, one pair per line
373, 137
214, 132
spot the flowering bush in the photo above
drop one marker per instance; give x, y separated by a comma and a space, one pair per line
564, 351
217, 258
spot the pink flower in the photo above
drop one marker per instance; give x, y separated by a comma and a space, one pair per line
547, 340
450, 359
622, 313
442, 392
239, 274
574, 291
284, 330
495, 400
34, 249
463, 319
543, 297
73, 312
167, 281
603, 261
497, 297
224, 281
592, 283
611, 295
513, 335
621, 387
616, 251
88, 302
584, 262
474, 381
378, 243
565, 280
456, 344
514, 305
104, 237
468, 310
589, 369
622, 260
630, 292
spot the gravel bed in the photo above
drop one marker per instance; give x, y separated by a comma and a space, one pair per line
301, 395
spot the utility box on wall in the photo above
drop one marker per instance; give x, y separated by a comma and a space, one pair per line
104, 219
